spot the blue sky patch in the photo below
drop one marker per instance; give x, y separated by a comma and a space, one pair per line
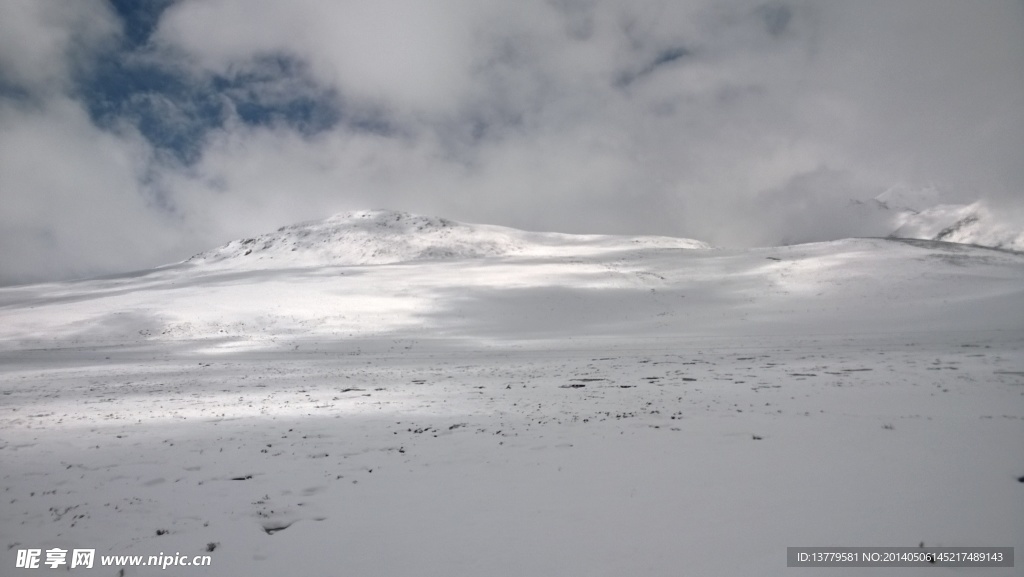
175, 108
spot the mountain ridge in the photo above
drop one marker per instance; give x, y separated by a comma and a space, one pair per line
933, 213
379, 236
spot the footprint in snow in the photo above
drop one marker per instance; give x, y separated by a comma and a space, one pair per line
273, 527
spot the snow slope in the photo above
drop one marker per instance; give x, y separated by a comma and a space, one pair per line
932, 214
384, 236
967, 224
420, 397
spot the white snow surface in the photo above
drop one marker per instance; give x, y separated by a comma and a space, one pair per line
420, 397
385, 236
932, 214
967, 224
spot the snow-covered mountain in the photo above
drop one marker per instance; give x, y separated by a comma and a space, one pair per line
968, 224
377, 272
385, 236
388, 394
933, 214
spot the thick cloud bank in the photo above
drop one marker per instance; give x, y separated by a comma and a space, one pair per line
136, 135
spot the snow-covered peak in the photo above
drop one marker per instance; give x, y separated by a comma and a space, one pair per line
362, 237
383, 236
968, 224
933, 213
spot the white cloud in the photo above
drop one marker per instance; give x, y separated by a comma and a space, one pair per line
41, 40
733, 122
411, 54
73, 204
936, 89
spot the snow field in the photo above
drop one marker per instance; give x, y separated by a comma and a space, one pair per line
601, 406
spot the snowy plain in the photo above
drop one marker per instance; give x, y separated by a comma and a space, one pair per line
386, 394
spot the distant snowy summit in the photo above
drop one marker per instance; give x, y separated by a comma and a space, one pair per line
370, 237
933, 214
964, 223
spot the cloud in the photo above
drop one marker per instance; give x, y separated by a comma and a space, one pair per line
814, 206
73, 204
411, 54
736, 122
937, 90
42, 42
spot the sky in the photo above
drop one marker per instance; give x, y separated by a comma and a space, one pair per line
134, 134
